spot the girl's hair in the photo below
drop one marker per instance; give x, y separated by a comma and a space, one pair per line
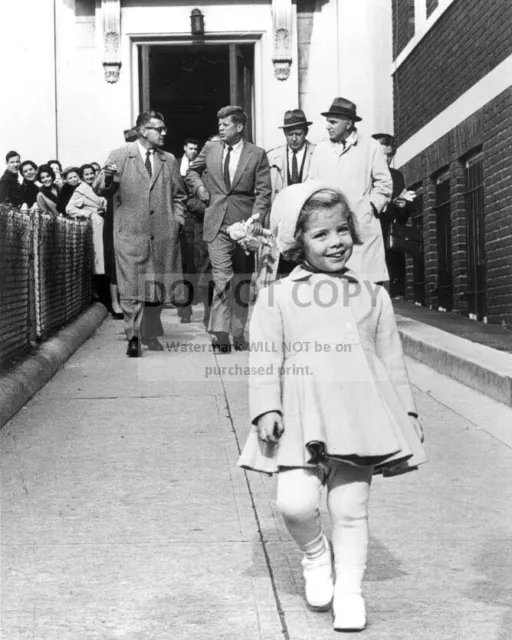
26, 163
55, 162
69, 170
323, 200
45, 168
83, 168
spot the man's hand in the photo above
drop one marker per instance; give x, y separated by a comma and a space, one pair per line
256, 228
203, 195
270, 427
110, 169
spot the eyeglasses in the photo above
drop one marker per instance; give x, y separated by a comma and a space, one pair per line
161, 130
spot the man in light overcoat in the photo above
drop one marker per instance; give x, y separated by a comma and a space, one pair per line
356, 164
236, 186
149, 209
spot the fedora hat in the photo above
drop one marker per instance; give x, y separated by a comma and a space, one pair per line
342, 108
295, 118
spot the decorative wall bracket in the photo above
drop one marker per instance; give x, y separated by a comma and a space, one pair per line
282, 22
111, 10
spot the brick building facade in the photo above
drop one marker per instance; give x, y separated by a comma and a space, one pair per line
452, 77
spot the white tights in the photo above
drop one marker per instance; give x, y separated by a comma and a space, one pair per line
348, 491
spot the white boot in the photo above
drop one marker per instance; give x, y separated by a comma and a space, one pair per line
349, 611
319, 586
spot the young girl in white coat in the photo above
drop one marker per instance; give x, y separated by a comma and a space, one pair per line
330, 398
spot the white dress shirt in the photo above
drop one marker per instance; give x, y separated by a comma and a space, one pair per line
234, 158
185, 163
143, 151
300, 158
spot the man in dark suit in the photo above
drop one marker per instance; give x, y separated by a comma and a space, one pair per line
398, 210
190, 151
10, 189
235, 187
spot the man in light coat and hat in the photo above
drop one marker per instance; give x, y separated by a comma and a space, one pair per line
149, 208
356, 164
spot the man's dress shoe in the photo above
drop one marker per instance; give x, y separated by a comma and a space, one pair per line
154, 345
221, 343
134, 349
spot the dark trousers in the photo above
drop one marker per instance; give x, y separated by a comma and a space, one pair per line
142, 319
188, 264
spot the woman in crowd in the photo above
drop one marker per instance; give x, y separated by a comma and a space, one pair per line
57, 169
71, 177
84, 203
29, 189
110, 259
96, 168
48, 193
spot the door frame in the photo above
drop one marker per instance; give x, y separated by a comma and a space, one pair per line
246, 38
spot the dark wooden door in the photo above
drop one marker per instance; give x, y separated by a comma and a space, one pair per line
241, 82
474, 195
444, 244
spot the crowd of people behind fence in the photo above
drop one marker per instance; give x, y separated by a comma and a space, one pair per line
52, 189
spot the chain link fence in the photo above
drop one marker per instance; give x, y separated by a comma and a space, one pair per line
45, 276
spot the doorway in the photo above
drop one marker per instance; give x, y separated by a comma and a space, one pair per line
189, 83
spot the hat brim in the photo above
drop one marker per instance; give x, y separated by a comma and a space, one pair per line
296, 125
341, 116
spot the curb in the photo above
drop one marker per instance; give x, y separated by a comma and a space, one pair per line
27, 377
486, 370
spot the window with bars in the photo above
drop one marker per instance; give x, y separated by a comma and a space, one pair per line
418, 265
475, 220
444, 242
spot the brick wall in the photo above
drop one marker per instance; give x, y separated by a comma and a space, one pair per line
489, 130
467, 42
403, 24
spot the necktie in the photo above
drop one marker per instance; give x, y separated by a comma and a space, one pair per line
148, 163
227, 178
295, 169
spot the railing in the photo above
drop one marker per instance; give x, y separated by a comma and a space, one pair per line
45, 276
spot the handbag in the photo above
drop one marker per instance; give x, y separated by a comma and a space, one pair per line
405, 239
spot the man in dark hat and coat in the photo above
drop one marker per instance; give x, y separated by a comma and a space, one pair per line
356, 164
289, 164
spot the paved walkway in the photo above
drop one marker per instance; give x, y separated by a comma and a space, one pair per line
124, 516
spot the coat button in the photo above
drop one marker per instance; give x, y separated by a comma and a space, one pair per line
152, 237
151, 212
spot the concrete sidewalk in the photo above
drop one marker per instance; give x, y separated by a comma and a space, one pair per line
124, 515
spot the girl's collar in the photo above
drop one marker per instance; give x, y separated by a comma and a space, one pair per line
305, 270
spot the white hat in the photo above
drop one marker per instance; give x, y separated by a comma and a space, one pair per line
287, 207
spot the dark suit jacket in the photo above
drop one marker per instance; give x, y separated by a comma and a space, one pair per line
392, 212
249, 193
10, 189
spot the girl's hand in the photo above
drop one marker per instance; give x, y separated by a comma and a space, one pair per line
270, 427
417, 427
